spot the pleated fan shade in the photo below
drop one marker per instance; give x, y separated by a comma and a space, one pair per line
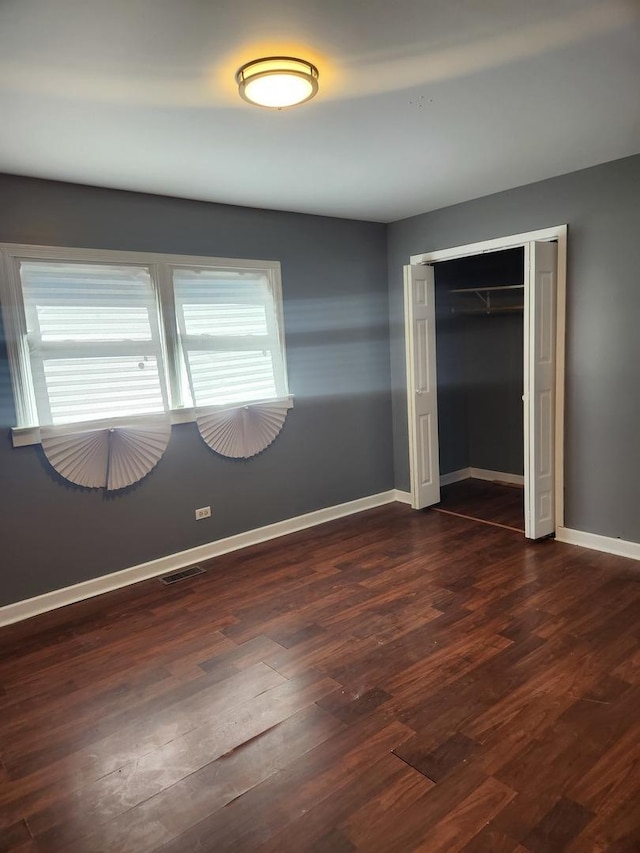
243, 432
107, 458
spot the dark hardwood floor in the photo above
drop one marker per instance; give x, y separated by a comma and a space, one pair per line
494, 503
395, 681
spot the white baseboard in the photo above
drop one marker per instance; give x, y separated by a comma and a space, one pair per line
619, 547
402, 497
173, 562
497, 476
481, 474
455, 476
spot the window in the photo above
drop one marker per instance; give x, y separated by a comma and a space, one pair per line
228, 329
94, 341
97, 336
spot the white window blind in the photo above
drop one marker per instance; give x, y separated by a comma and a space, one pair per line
94, 341
229, 335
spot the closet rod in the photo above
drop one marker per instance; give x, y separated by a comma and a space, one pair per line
484, 289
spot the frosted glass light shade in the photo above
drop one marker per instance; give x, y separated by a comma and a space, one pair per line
106, 458
277, 81
243, 432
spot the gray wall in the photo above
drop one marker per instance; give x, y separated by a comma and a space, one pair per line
480, 377
602, 208
494, 372
336, 444
453, 392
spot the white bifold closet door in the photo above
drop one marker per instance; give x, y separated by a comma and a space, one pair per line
539, 388
422, 390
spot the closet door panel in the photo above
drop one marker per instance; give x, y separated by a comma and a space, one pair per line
539, 383
422, 390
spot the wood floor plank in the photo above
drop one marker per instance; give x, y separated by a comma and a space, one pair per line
130, 740
486, 501
143, 778
439, 762
15, 836
417, 825
373, 819
200, 795
558, 827
128, 735
394, 681
348, 705
466, 819
268, 808
310, 830
488, 839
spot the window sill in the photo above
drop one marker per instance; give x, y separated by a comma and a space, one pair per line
25, 436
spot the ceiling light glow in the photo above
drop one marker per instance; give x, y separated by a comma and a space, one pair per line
277, 81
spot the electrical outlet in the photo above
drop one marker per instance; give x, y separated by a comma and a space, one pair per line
203, 512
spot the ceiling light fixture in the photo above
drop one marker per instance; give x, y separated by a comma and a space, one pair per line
277, 81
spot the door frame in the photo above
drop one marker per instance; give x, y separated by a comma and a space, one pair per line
556, 233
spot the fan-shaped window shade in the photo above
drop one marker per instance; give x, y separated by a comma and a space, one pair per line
242, 432
108, 458
229, 335
94, 341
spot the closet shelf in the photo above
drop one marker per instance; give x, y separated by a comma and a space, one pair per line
485, 294
505, 309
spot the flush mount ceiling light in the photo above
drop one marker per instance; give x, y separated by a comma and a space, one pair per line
277, 81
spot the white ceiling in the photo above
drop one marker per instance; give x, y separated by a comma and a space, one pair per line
422, 103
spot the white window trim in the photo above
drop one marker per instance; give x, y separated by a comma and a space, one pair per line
159, 264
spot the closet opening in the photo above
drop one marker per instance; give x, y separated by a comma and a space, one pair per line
479, 333
485, 379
